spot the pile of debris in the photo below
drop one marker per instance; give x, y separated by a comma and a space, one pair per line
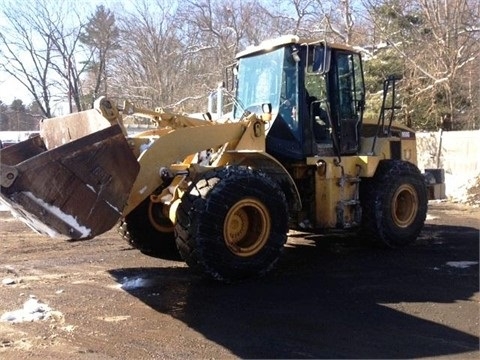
464, 191
473, 193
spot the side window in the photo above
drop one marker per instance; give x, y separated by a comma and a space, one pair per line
351, 90
289, 92
359, 92
346, 86
315, 86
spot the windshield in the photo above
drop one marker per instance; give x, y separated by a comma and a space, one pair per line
259, 81
270, 77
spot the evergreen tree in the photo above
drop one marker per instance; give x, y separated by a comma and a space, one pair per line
18, 105
101, 35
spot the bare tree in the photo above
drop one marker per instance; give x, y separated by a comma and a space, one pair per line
213, 32
220, 28
453, 47
333, 20
338, 20
298, 17
28, 59
66, 40
176, 57
151, 57
438, 44
39, 51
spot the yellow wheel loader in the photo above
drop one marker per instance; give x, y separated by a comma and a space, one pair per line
294, 153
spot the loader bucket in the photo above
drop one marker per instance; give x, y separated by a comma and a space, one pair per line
77, 190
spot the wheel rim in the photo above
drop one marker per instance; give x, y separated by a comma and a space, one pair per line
247, 227
405, 205
158, 219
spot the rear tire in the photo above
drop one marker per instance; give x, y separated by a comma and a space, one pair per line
148, 231
394, 204
232, 224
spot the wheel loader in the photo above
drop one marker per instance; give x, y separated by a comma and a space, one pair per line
223, 192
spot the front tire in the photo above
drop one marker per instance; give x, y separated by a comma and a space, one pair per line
394, 204
232, 224
149, 231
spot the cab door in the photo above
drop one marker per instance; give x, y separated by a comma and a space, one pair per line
346, 94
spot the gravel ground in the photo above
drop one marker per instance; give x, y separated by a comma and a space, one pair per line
330, 297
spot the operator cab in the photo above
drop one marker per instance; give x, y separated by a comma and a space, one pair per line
315, 92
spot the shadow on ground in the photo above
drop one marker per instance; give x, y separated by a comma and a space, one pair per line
328, 298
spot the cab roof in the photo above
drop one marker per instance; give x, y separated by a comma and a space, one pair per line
270, 44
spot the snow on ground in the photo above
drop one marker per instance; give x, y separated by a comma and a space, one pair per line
134, 283
32, 310
461, 264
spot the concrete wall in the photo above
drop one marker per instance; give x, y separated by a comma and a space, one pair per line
457, 152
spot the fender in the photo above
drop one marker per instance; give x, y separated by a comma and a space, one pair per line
269, 165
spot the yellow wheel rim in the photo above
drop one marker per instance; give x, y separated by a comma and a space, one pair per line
404, 206
247, 227
158, 218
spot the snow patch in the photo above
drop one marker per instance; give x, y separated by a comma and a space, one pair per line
91, 188
8, 281
146, 146
33, 223
33, 310
461, 264
133, 283
113, 207
69, 219
457, 186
